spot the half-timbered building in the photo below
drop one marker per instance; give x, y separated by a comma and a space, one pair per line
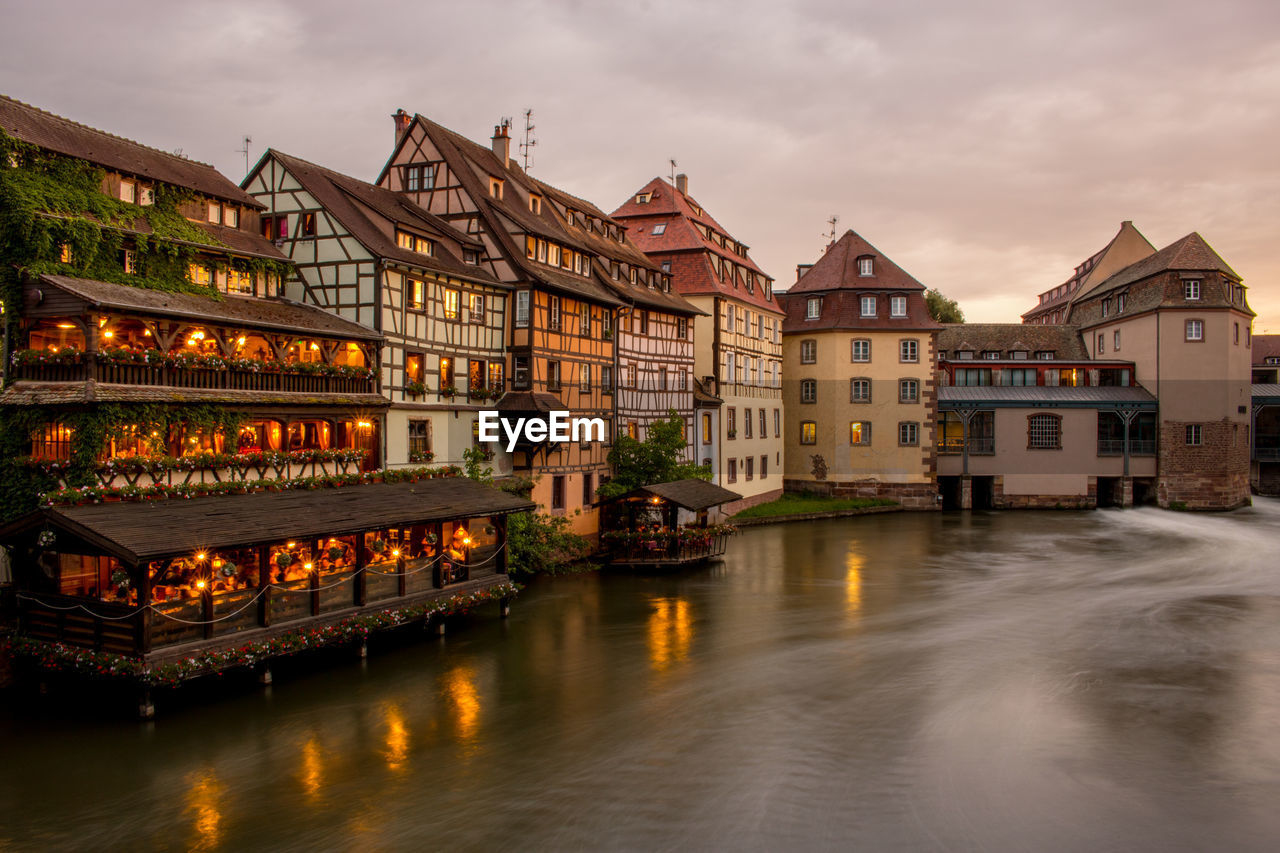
561, 333
148, 340
738, 337
373, 256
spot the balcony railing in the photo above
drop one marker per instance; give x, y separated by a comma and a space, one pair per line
196, 377
635, 551
977, 446
1137, 447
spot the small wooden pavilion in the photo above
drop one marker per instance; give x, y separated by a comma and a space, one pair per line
666, 524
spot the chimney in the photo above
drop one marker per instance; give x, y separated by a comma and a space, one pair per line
682, 184
801, 269
502, 143
402, 120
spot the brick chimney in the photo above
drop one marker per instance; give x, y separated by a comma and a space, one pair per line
402, 120
502, 143
682, 184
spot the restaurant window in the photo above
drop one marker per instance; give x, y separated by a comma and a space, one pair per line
860, 390
808, 352
908, 434
908, 391
52, 442
557, 491
862, 350
496, 378
451, 304
420, 441
446, 372
1044, 432
808, 432
860, 432
475, 307
808, 391
522, 308
303, 435
520, 372
258, 436
414, 367
909, 350
553, 376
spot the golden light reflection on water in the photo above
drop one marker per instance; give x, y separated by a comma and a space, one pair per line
397, 751
854, 563
460, 688
204, 803
670, 632
312, 769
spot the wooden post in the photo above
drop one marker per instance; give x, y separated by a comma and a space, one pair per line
264, 584
361, 591
207, 608
146, 708
143, 636
500, 563
315, 576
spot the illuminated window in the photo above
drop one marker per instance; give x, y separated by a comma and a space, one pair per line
497, 380
706, 428
808, 432
475, 307
495, 188
417, 293
451, 301
308, 225
860, 432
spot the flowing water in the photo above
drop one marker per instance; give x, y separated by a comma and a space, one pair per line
1008, 681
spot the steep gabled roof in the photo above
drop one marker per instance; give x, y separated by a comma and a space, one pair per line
1126, 247
837, 269
351, 201
465, 158
63, 136
1190, 254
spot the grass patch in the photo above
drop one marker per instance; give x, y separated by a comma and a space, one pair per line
793, 504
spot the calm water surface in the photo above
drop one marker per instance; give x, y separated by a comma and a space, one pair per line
1017, 681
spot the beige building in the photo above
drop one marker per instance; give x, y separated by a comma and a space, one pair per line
858, 346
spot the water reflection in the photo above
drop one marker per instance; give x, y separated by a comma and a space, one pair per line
204, 804
853, 563
460, 688
670, 632
397, 751
312, 771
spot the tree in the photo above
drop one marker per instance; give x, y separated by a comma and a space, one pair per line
942, 309
657, 459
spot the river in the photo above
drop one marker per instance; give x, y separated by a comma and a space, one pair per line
972, 681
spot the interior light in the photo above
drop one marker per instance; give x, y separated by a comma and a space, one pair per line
66, 325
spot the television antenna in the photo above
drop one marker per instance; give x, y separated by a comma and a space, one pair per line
673, 171
526, 147
244, 149
831, 234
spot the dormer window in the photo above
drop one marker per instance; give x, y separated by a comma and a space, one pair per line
535, 204
414, 243
1106, 307
864, 266
215, 213
666, 266
634, 275
813, 308
897, 306
230, 215
965, 355
1191, 289
659, 229
868, 304
1121, 299
495, 188
129, 191
643, 198
571, 216
146, 196
470, 256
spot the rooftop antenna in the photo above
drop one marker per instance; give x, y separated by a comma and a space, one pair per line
831, 235
244, 149
526, 147
673, 171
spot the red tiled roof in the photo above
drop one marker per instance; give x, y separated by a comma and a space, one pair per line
1191, 253
838, 270
70, 138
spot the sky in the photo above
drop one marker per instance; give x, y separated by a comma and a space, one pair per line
986, 147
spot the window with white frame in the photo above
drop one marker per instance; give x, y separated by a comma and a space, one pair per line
522, 308
868, 306
475, 307
584, 320
908, 391
808, 391
865, 266
813, 308
1115, 340
1191, 289
584, 377
808, 352
909, 350
553, 321
897, 306
860, 390
659, 229
862, 350
1195, 330
908, 434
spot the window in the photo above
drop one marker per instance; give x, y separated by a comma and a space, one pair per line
731, 422
606, 324
553, 376
1102, 343
520, 372
909, 350
898, 306
809, 391
764, 467
964, 354
706, 427
606, 379
860, 432
416, 294
584, 377
1018, 355
1018, 376
470, 256
198, 273
535, 203
1191, 289
865, 266
129, 192
147, 197
682, 328
644, 322
588, 487
419, 176
750, 462
239, 281
1194, 436
451, 300
1235, 333
1106, 307
659, 229
522, 308
1195, 330
495, 188
746, 423
419, 441
129, 262
860, 390
584, 321
971, 376
557, 491
729, 368
812, 308
862, 350
991, 355
633, 430
1115, 340
908, 391
1044, 432
275, 227
808, 352
475, 307
868, 304
496, 378
215, 213
777, 423
908, 434
808, 432
662, 379
1046, 354
308, 225
1121, 299
553, 322
446, 372
733, 470
643, 198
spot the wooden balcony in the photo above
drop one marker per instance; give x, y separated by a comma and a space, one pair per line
666, 551
196, 377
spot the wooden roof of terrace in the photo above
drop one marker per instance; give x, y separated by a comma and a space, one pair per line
151, 530
691, 494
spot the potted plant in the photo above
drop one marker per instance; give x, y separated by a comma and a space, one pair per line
448, 391
415, 387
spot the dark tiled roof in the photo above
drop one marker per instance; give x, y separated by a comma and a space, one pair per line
1006, 337
691, 494
837, 269
1044, 394
841, 309
1264, 347
280, 314
348, 199
116, 153
149, 530
1191, 253
704, 398
72, 393
529, 401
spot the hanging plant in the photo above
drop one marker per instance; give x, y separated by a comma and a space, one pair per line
335, 553
120, 579
47, 538
432, 539
378, 546
229, 570
284, 559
